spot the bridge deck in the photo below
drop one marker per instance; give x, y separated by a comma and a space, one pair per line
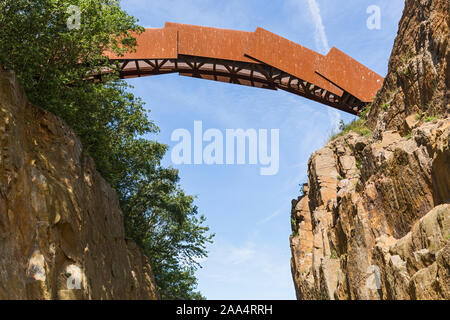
259, 59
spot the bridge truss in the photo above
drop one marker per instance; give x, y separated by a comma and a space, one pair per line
260, 59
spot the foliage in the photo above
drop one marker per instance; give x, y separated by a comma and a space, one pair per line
406, 72
294, 227
358, 125
55, 66
385, 106
333, 255
421, 116
431, 118
366, 111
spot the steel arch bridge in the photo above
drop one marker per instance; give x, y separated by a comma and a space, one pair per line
258, 59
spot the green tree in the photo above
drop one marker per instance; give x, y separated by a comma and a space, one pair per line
55, 65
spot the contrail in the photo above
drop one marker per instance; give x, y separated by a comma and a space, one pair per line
320, 36
323, 47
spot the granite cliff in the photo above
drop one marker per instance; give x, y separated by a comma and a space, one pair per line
61, 229
373, 220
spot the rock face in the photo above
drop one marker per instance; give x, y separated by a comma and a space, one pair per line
374, 218
373, 223
61, 229
419, 68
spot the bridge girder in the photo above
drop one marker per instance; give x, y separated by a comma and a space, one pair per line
260, 59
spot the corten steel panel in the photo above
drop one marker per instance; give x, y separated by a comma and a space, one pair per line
230, 56
153, 44
350, 75
211, 42
289, 57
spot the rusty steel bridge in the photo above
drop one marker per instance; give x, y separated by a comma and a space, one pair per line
258, 59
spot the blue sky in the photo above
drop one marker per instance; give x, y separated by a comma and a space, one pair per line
250, 213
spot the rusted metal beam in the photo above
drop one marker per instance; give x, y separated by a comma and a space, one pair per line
258, 59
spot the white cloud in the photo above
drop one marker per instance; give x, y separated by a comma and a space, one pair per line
323, 47
320, 35
238, 255
273, 215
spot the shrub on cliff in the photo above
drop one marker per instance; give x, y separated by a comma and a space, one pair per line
53, 51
